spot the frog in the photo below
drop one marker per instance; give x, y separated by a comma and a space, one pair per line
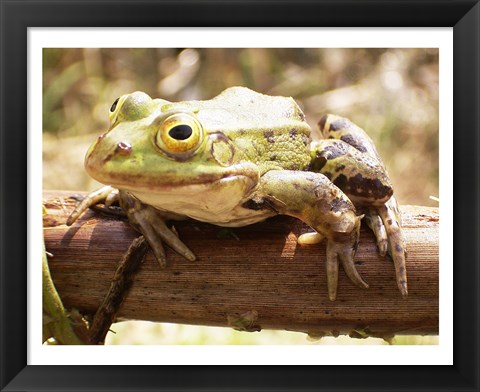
238, 159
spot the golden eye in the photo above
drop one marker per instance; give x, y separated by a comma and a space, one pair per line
179, 133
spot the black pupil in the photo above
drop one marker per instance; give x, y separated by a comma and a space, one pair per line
180, 132
114, 105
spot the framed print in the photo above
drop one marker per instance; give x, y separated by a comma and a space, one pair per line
340, 56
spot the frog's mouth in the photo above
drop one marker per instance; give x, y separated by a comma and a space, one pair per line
154, 182
204, 183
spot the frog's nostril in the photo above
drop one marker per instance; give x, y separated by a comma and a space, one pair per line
123, 148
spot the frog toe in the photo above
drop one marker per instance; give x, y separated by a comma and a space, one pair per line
157, 232
92, 199
398, 255
375, 223
352, 273
112, 198
396, 244
332, 274
154, 240
344, 253
171, 239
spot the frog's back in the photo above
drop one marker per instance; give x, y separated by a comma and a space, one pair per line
268, 130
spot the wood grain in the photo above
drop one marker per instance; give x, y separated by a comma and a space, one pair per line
259, 268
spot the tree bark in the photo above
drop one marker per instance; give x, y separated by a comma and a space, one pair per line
251, 277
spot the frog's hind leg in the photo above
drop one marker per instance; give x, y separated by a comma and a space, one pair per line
340, 128
350, 160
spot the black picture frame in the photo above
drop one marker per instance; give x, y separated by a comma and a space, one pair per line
17, 16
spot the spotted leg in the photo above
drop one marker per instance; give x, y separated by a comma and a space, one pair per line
348, 157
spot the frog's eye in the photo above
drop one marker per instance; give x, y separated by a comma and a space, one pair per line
115, 109
114, 105
179, 133
131, 107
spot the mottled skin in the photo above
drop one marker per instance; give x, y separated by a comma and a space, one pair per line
240, 158
348, 157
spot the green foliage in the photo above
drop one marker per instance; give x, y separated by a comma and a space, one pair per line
59, 327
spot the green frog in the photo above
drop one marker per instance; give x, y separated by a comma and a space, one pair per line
240, 158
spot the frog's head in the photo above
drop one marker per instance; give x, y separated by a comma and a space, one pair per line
154, 146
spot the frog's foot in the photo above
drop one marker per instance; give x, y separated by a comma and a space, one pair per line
151, 224
106, 194
344, 253
336, 252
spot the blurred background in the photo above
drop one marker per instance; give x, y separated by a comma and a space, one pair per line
391, 93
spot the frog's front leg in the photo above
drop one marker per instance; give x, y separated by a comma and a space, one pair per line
350, 160
147, 220
312, 198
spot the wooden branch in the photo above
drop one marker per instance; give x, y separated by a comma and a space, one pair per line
255, 276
